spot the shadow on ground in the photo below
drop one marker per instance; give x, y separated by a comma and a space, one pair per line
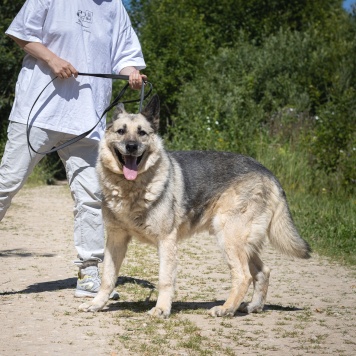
49, 286
22, 253
186, 307
141, 306
70, 283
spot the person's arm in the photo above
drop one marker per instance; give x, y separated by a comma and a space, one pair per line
59, 66
135, 77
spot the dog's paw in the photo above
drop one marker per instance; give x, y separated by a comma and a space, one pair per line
221, 311
89, 307
250, 308
159, 313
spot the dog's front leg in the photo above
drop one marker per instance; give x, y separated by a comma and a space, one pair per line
115, 250
167, 252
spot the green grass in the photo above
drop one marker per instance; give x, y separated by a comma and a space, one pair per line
328, 224
323, 210
39, 176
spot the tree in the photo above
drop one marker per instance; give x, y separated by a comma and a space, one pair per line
261, 18
175, 43
179, 36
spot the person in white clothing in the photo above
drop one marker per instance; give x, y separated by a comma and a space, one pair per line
62, 38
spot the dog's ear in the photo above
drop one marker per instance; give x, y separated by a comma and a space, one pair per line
120, 109
151, 112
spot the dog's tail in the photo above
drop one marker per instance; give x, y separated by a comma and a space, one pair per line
283, 234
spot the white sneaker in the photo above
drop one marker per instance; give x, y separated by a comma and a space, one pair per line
88, 283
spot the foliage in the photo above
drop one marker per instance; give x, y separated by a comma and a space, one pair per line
292, 88
261, 18
178, 37
175, 43
329, 223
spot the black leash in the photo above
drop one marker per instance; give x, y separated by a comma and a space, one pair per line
114, 103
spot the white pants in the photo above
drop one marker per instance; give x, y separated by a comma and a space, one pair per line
79, 159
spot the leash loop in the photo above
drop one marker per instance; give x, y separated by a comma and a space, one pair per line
114, 103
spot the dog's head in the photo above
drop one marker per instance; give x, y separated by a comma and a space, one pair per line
131, 139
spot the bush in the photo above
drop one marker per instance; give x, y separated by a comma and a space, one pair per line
277, 90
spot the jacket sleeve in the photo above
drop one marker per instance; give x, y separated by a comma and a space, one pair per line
126, 48
28, 23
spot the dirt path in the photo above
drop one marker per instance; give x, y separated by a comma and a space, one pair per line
310, 307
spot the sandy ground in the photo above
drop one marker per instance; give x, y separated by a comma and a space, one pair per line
310, 307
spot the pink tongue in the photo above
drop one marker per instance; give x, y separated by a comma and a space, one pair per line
130, 168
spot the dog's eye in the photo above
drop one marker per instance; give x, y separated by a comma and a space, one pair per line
120, 131
142, 133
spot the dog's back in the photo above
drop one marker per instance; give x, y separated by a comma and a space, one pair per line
208, 173
224, 179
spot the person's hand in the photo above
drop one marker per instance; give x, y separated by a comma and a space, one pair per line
62, 68
136, 79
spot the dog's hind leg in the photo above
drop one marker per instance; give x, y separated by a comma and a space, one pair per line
237, 258
260, 274
115, 250
167, 252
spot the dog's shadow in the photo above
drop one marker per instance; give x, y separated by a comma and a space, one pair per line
177, 307
185, 307
139, 306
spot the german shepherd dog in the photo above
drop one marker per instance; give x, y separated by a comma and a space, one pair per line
161, 197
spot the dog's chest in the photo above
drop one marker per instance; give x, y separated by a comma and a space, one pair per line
133, 211
131, 204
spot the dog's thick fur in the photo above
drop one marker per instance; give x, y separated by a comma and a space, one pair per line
161, 197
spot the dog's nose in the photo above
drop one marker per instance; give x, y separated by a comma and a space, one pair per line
131, 147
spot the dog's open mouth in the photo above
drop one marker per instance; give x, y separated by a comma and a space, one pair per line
129, 164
